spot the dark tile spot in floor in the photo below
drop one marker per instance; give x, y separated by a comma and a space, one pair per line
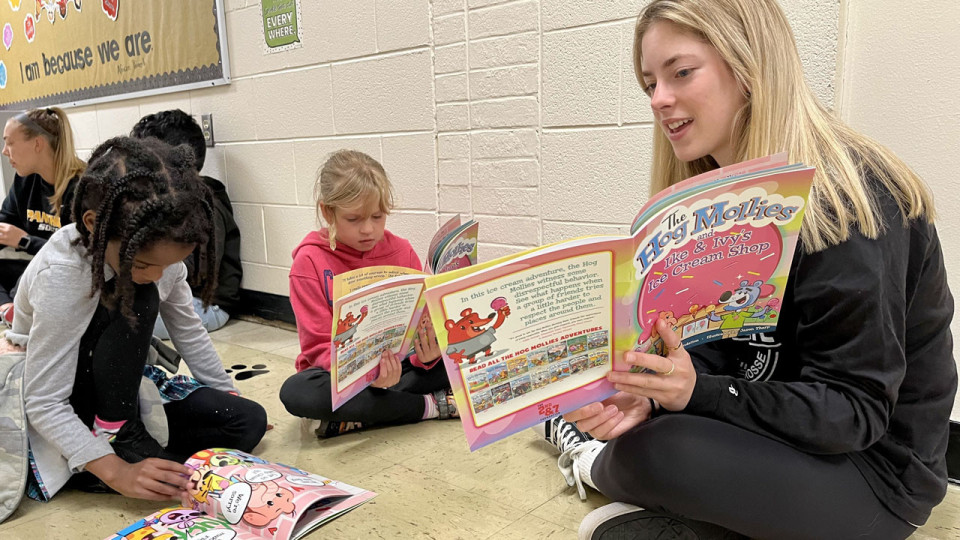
258, 369
244, 375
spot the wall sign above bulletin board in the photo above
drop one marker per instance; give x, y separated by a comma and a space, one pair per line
77, 52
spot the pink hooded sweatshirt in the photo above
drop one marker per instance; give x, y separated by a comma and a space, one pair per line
311, 287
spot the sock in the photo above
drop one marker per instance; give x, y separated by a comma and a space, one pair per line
109, 428
430, 407
586, 459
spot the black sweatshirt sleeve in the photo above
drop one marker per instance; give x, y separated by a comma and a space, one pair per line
13, 214
36, 242
850, 303
9, 212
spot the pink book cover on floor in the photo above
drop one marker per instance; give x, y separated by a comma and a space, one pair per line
236, 495
533, 335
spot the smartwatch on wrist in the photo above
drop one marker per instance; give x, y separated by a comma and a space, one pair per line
24, 243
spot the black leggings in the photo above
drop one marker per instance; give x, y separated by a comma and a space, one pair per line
307, 394
109, 370
210, 418
712, 471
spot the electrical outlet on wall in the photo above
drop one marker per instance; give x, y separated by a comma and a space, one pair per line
206, 124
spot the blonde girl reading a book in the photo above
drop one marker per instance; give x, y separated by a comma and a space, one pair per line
85, 312
39, 145
354, 198
835, 425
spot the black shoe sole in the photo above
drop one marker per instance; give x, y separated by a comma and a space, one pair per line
654, 526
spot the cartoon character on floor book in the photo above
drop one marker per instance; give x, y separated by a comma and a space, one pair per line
158, 527
235, 495
740, 306
224, 459
203, 481
267, 502
467, 338
179, 518
251, 500
141, 529
347, 327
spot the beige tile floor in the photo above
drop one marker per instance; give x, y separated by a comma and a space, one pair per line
429, 484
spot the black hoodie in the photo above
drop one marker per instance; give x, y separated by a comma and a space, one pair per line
227, 238
27, 206
861, 363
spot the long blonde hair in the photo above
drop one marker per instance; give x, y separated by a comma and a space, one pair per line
346, 178
782, 113
52, 124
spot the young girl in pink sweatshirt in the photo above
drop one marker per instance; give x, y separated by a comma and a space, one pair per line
354, 197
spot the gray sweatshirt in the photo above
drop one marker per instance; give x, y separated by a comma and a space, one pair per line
53, 308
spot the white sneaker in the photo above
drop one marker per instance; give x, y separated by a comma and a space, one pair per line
573, 445
576, 461
309, 425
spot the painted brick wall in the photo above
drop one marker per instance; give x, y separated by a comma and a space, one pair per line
524, 114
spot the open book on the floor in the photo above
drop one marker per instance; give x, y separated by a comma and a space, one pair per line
237, 496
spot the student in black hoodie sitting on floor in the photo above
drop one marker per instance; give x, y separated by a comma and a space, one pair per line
176, 127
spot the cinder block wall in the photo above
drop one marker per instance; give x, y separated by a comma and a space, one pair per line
524, 114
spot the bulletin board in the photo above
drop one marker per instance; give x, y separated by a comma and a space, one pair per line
76, 52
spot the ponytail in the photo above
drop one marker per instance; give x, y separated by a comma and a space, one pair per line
52, 124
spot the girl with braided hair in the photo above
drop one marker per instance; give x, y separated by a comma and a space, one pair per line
39, 145
86, 310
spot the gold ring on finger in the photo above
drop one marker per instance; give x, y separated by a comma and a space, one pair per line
673, 366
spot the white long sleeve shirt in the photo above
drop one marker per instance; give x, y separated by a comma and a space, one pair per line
53, 308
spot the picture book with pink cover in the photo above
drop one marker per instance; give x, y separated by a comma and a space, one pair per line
238, 496
529, 336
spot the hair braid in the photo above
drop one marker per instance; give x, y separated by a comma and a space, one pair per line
123, 293
137, 233
99, 237
143, 191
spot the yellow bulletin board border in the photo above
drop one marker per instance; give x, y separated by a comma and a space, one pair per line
213, 73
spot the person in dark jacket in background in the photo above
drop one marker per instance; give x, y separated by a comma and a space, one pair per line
177, 127
39, 145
